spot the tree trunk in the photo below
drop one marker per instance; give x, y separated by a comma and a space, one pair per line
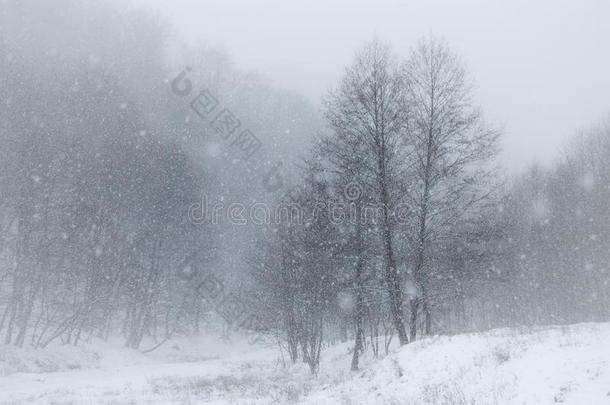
427, 317
413, 320
391, 273
359, 313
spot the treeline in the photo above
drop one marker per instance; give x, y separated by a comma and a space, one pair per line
100, 163
425, 236
93, 195
557, 247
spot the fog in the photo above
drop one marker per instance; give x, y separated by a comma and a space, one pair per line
214, 202
540, 68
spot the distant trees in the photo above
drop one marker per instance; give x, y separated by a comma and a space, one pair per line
559, 234
300, 270
99, 166
95, 211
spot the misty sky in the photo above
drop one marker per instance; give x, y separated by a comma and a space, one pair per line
541, 68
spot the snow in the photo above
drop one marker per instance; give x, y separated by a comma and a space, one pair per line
569, 365
542, 365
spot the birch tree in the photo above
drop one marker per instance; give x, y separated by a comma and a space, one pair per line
449, 175
367, 112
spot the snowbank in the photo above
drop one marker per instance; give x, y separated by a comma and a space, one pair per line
563, 364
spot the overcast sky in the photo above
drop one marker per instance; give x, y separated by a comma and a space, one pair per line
541, 68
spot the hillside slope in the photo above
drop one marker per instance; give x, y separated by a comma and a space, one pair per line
550, 365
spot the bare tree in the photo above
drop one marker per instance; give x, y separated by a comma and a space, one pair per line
450, 148
367, 110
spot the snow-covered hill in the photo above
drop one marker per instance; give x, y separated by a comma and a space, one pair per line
550, 365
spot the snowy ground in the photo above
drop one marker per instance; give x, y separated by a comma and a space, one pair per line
569, 365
